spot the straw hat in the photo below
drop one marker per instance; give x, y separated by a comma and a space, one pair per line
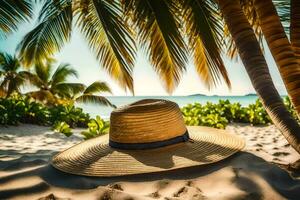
147, 136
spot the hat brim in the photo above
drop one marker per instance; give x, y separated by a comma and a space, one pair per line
95, 157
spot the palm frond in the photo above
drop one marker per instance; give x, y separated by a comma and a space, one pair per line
12, 13
4, 85
97, 87
159, 35
44, 96
204, 32
9, 63
43, 72
1, 58
89, 98
31, 78
62, 73
48, 37
68, 90
15, 85
110, 38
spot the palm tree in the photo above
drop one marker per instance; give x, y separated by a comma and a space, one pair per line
257, 69
295, 27
104, 23
87, 94
159, 26
12, 13
10, 75
51, 85
280, 48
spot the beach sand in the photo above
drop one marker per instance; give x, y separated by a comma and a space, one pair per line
255, 173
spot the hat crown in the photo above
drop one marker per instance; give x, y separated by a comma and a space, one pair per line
145, 121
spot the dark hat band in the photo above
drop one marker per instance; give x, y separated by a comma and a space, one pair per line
150, 145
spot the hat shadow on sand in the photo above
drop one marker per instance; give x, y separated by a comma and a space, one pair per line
244, 162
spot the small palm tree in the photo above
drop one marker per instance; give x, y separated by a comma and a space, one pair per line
54, 88
51, 85
10, 75
87, 94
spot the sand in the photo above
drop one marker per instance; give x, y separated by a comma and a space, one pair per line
254, 173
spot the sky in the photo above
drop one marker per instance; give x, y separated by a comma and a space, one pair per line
146, 82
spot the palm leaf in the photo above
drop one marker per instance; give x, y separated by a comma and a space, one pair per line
31, 78
204, 32
43, 72
9, 62
97, 87
103, 25
68, 90
12, 13
14, 85
159, 35
89, 98
44, 96
62, 73
48, 37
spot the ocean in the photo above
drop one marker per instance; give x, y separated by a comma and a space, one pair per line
104, 111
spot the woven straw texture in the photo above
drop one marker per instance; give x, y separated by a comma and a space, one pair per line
95, 157
148, 120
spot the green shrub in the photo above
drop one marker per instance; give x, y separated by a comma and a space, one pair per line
288, 104
22, 109
220, 114
96, 127
73, 116
62, 127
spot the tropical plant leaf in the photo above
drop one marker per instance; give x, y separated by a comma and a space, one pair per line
12, 13
42, 96
48, 37
68, 90
31, 78
110, 38
204, 32
62, 73
159, 35
14, 85
97, 87
9, 62
89, 98
43, 72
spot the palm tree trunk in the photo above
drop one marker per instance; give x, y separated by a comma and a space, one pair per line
258, 72
295, 27
280, 48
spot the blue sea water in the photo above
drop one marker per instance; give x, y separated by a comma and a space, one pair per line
104, 112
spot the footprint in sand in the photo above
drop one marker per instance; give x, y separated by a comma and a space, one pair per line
181, 191
116, 186
281, 154
258, 145
154, 195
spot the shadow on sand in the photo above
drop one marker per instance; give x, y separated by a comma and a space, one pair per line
240, 163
